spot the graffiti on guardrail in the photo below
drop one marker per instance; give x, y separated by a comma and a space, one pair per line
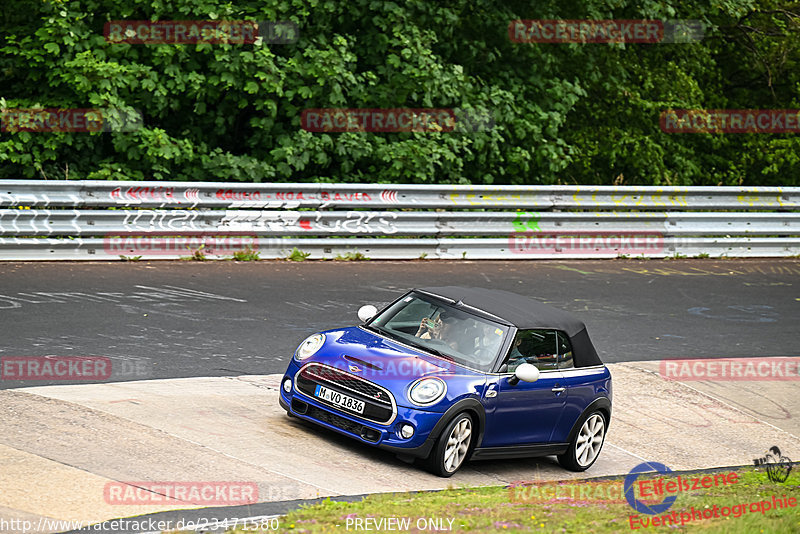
622, 200
275, 221
295, 198
762, 200
231, 194
357, 222
140, 220
526, 221
586, 221
477, 199
352, 222
141, 194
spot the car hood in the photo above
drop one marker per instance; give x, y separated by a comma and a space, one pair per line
392, 365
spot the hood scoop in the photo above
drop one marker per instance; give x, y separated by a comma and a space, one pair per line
362, 362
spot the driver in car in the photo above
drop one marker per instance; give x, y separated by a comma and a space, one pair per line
442, 329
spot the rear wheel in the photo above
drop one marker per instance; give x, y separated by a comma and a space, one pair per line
452, 447
585, 446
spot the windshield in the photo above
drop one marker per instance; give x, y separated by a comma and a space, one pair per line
443, 329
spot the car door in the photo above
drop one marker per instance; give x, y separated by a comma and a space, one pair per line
526, 413
582, 383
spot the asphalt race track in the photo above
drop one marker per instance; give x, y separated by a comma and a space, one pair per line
191, 319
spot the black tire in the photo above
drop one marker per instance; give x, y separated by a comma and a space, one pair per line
581, 455
440, 461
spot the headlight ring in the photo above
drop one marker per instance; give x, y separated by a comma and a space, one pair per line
427, 391
309, 346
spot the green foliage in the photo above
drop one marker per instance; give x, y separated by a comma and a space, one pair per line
197, 254
247, 254
351, 256
563, 113
297, 255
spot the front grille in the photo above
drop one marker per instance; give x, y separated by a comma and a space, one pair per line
347, 381
378, 403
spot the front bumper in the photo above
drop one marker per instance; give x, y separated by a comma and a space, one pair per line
386, 436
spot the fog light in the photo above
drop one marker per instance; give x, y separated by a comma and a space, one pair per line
287, 385
406, 431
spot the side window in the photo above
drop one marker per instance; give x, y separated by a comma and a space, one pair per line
537, 347
565, 360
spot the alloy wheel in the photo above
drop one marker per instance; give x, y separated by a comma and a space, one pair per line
457, 445
590, 440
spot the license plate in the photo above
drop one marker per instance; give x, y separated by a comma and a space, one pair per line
338, 399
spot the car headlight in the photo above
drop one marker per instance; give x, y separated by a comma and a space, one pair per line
427, 391
310, 346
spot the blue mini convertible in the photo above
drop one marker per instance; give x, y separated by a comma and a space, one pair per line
444, 374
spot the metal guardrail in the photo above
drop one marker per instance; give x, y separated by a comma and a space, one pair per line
84, 223
59, 220
99, 193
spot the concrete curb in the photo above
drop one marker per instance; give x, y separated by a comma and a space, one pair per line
68, 442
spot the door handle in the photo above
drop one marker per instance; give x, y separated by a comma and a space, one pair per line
558, 390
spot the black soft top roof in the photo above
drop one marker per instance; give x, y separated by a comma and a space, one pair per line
525, 313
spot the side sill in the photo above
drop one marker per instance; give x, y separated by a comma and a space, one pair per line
520, 451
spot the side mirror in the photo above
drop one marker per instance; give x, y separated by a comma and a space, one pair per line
367, 312
525, 372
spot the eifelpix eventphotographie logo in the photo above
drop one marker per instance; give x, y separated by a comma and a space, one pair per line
777, 465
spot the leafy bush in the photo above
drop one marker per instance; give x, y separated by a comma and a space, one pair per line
563, 113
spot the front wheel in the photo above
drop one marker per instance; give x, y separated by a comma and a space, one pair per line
452, 446
585, 446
